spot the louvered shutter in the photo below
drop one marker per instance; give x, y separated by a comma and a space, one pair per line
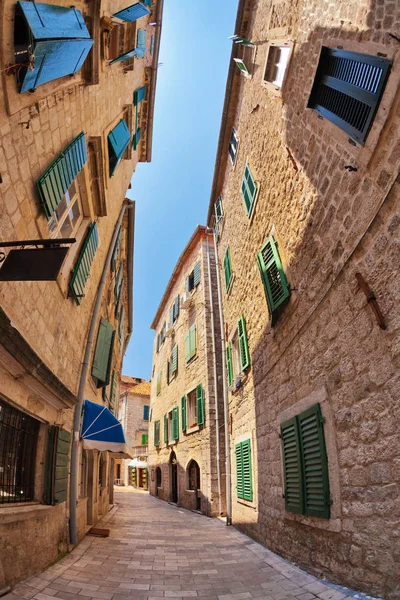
227, 269
247, 471
243, 344
229, 365
200, 405
58, 177
144, 439
192, 334
119, 138
187, 346
176, 309
81, 271
141, 38
118, 284
273, 276
134, 52
347, 89
292, 466
183, 411
101, 365
174, 359
136, 138
132, 13
239, 471
58, 446
158, 343
166, 428
314, 463
196, 274
156, 433
138, 95
249, 189
175, 423
113, 390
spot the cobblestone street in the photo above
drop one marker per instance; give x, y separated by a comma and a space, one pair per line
156, 550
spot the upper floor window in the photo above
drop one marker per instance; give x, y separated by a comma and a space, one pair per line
193, 279
273, 277
146, 412
249, 190
192, 408
233, 146
348, 88
118, 140
228, 269
237, 353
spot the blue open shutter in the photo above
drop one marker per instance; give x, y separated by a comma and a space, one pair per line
118, 140
136, 138
133, 12
139, 94
47, 21
125, 56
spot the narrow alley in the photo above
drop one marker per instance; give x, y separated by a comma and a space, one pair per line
157, 550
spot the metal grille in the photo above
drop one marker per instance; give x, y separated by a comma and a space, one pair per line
18, 441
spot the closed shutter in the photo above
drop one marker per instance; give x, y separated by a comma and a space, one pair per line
183, 411
175, 423
229, 365
227, 269
113, 392
249, 189
81, 271
200, 405
156, 433
144, 439
146, 412
138, 95
158, 384
101, 365
58, 177
136, 138
147, 2
247, 471
177, 306
218, 209
132, 13
314, 463
158, 343
187, 346
196, 274
166, 429
174, 359
239, 470
57, 465
273, 276
348, 88
141, 38
190, 342
243, 344
292, 466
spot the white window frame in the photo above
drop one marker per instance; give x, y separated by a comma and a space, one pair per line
191, 411
235, 151
274, 86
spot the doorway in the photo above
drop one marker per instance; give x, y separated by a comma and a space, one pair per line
194, 481
174, 478
158, 479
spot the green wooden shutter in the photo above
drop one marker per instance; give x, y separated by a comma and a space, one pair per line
174, 360
156, 433
200, 405
158, 383
113, 391
138, 95
241, 66
249, 189
196, 274
57, 465
183, 411
81, 271
219, 213
101, 365
166, 428
175, 423
292, 466
229, 365
273, 276
192, 335
176, 307
239, 471
145, 439
243, 344
314, 463
227, 268
58, 177
247, 471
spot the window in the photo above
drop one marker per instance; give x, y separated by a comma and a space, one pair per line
156, 433
305, 464
172, 364
244, 479
145, 439
101, 366
192, 409
81, 271
219, 216
158, 383
277, 62
233, 146
146, 412
139, 95
249, 190
193, 279
118, 290
138, 52
190, 343
228, 269
237, 353
152, 42
174, 310
117, 247
274, 279
348, 88
18, 443
171, 425
163, 330
158, 343
68, 215
242, 66
114, 402
118, 140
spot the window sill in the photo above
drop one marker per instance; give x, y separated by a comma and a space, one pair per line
191, 360
18, 512
248, 503
193, 429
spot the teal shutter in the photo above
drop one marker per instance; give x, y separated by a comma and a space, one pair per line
132, 13
175, 423
292, 466
227, 269
139, 94
239, 471
81, 271
58, 177
190, 342
243, 344
141, 40
47, 21
166, 428
196, 274
273, 276
200, 405
134, 52
229, 364
136, 138
314, 463
183, 411
146, 412
57, 465
249, 189
247, 471
156, 433
101, 365
118, 140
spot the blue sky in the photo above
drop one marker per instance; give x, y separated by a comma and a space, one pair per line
172, 192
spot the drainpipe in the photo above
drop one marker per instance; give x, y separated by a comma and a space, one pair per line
215, 379
82, 382
225, 396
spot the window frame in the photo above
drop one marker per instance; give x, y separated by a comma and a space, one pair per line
277, 89
228, 258
254, 196
234, 148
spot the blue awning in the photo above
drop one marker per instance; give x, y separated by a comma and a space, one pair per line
102, 431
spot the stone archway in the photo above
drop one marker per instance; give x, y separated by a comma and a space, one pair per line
193, 473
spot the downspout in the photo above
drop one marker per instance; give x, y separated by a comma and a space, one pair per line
215, 378
225, 395
82, 382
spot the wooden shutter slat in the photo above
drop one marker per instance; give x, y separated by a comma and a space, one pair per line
200, 404
273, 276
292, 466
81, 270
175, 423
183, 412
196, 274
247, 471
166, 428
239, 471
103, 353
229, 365
243, 344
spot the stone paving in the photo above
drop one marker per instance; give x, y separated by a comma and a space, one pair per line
156, 550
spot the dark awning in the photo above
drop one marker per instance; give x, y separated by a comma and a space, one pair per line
102, 431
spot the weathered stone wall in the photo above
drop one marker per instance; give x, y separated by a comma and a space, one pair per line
326, 347
131, 417
199, 445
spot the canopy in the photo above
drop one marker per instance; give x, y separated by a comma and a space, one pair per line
137, 463
102, 431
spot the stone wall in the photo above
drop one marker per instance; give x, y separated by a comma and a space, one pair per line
330, 223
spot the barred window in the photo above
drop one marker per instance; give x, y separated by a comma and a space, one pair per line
18, 443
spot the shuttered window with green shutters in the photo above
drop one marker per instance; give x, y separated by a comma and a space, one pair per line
229, 365
227, 269
348, 88
81, 271
249, 190
166, 428
243, 344
175, 423
58, 177
156, 433
118, 140
193, 279
244, 476
200, 404
57, 465
273, 277
183, 412
145, 439
101, 366
306, 464
174, 313
190, 343
173, 361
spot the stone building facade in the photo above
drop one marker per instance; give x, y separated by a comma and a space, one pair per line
186, 429
306, 206
73, 126
134, 414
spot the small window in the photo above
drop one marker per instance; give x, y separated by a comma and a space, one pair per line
192, 409
118, 140
274, 279
146, 412
158, 392
228, 269
171, 425
174, 313
190, 343
233, 146
219, 211
249, 190
277, 63
193, 279
237, 354
348, 88
172, 364
156, 433
163, 330
244, 478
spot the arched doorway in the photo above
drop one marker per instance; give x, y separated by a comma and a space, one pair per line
174, 477
158, 479
194, 481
